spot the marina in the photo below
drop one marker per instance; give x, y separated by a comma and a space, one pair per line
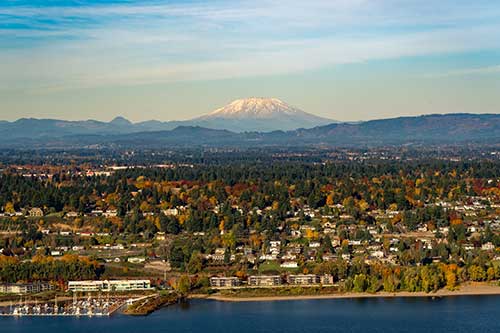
88, 307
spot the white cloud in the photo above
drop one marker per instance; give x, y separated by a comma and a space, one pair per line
140, 44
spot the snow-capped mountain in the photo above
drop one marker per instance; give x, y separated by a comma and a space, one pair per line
259, 114
243, 115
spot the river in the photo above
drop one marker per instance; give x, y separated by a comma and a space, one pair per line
449, 314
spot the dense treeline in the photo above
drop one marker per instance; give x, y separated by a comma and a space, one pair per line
225, 196
48, 269
308, 180
360, 277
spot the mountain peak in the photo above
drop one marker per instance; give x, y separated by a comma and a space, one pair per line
255, 108
259, 114
120, 121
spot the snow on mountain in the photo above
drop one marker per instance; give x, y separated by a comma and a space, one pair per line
259, 114
254, 108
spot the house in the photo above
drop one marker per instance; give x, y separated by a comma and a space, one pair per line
268, 257
488, 247
224, 282
136, 260
289, 256
275, 245
468, 247
328, 225
110, 213
85, 234
36, 212
472, 229
247, 250
329, 257
170, 212
444, 230
264, 280
377, 254
96, 212
71, 214
422, 228
289, 264
251, 258
219, 254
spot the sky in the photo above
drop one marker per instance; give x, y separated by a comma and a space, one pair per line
346, 60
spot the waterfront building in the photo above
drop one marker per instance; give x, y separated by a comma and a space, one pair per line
25, 288
326, 279
224, 282
264, 280
109, 285
303, 279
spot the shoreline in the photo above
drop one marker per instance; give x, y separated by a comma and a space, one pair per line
465, 290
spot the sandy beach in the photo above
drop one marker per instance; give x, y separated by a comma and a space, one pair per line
472, 289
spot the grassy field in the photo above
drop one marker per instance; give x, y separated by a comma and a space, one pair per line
274, 267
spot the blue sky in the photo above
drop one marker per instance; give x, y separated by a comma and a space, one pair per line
342, 59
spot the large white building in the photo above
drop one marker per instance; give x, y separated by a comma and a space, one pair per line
109, 285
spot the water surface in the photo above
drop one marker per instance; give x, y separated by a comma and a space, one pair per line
451, 314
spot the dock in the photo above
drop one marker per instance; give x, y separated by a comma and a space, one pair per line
89, 307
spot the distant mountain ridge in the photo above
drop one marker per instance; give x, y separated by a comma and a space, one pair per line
243, 115
454, 129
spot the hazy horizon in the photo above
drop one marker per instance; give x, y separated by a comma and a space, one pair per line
109, 119
346, 60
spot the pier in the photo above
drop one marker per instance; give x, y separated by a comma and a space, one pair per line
88, 307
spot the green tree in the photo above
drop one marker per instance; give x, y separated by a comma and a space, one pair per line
360, 283
183, 285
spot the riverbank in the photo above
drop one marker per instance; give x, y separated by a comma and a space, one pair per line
470, 289
148, 304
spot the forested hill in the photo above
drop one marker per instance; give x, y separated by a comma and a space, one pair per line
451, 128
429, 129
